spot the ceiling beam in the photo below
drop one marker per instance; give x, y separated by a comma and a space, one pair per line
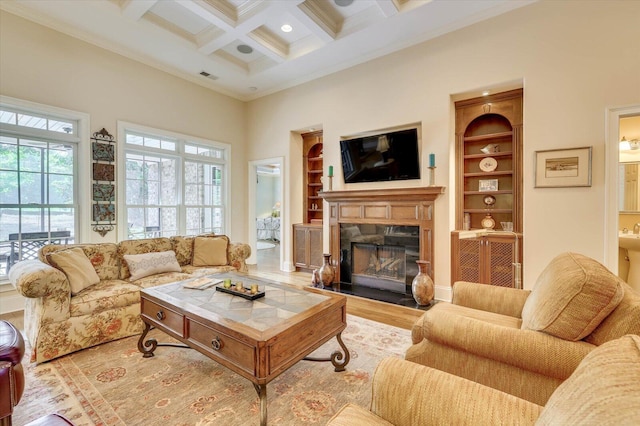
135, 10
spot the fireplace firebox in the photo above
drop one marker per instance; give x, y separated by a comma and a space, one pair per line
379, 257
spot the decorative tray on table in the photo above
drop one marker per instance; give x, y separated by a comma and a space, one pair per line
245, 293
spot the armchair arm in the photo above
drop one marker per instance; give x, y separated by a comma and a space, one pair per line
406, 393
238, 254
33, 279
526, 349
500, 300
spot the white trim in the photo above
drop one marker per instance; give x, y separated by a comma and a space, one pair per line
443, 293
284, 217
12, 301
611, 202
84, 155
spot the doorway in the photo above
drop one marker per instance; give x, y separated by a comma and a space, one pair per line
265, 213
621, 123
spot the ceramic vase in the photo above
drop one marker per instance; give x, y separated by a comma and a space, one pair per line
326, 272
422, 285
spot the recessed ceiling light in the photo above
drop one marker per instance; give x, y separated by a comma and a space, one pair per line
243, 48
485, 93
286, 28
343, 3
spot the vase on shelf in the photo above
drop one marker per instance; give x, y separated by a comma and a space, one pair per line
422, 285
326, 272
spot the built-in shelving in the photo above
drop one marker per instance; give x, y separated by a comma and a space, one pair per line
488, 130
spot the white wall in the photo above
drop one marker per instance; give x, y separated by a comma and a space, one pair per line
574, 59
267, 194
48, 67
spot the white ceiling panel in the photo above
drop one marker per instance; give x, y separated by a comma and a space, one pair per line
185, 37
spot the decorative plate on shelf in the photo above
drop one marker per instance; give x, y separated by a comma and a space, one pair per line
489, 200
488, 164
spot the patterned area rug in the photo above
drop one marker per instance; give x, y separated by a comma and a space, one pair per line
112, 384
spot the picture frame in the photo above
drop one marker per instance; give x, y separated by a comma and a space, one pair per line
487, 185
103, 151
563, 168
104, 213
104, 192
104, 172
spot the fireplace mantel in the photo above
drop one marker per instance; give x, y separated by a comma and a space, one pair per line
393, 206
427, 193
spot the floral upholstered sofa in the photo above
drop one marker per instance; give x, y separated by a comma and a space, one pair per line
86, 294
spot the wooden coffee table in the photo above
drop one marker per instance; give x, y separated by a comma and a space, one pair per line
257, 339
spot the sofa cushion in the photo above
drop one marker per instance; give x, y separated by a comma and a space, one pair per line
103, 257
210, 251
571, 297
104, 296
604, 389
625, 319
76, 266
147, 245
183, 246
145, 264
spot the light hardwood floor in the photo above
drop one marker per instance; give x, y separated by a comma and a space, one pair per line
268, 267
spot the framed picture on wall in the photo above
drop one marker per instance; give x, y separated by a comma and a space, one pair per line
559, 168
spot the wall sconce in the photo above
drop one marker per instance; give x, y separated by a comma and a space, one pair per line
632, 145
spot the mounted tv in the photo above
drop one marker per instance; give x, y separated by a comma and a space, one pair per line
383, 157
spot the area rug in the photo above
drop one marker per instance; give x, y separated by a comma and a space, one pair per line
263, 245
112, 384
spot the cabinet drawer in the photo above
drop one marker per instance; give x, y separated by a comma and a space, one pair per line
164, 317
223, 346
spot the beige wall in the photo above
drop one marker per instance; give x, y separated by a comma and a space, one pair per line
574, 59
45, 66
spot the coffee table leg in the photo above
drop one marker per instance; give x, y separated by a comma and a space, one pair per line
142, 345
336, 356
262, 394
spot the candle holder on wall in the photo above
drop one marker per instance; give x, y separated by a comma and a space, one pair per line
103, 154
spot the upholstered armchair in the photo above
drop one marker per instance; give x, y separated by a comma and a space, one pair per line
526, 343
604, 390
11, 373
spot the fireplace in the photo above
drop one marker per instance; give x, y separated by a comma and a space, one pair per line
379, 257
375, 238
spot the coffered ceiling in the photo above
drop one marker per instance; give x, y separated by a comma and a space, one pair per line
240, 48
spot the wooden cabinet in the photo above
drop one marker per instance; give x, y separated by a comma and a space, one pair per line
488, 187
492, 259
489, 160
307, 246
312, 163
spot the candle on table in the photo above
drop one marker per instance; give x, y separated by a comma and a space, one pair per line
330, 171
432, 160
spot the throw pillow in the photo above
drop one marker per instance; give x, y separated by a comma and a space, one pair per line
572, 296
603, 390
143, 265
210, 251
76, 266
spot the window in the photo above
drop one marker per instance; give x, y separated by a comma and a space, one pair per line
174, 184
38, 188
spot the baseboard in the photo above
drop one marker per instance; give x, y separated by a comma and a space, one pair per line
443, 293
11, 301
288, 266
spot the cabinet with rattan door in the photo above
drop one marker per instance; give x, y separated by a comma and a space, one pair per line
307, 246
487, 259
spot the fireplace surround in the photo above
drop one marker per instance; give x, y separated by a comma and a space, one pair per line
375, 237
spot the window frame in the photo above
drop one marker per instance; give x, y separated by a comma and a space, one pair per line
80, 138
181, 140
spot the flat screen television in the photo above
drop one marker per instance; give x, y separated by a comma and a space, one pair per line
384, 157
